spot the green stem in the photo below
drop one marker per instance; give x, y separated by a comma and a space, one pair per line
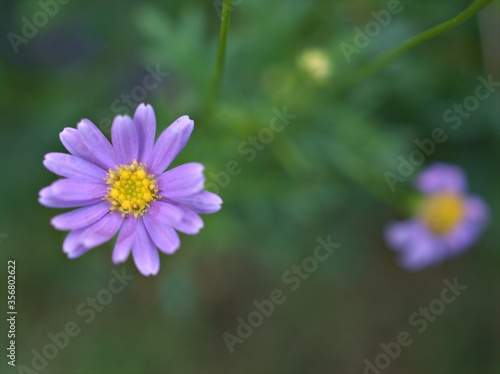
221, 53
373, 67
356, 172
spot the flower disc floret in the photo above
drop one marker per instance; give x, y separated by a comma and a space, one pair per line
131, 189
442, 212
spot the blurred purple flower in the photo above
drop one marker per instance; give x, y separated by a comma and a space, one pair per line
446, 223
122, 188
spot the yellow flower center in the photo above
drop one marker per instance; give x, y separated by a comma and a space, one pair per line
131, 189
442, 211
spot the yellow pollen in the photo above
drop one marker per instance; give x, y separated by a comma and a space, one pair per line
442, 211
131, 189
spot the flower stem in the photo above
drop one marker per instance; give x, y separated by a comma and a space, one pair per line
376, 65
359, 170
221, 53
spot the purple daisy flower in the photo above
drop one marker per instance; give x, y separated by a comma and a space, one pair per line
446, 223
122, 188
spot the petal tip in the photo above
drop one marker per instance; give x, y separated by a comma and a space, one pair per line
148, 271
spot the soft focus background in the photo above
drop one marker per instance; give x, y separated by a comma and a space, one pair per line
321, 176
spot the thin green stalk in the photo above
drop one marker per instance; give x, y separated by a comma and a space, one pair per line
221, 53
373, 67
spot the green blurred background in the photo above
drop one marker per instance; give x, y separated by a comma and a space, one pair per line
323, 175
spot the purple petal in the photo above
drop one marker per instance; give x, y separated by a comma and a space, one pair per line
125, 142
73, 141
204, 202
461, 238
81, 217
52, 202
423, 252
73, 167
81, 240
169, 144
476, 210
442, 177
161, 232
124, 241
145, 122
144, 251
181, 181
417, 245
70, 189
103, 230
190, 224
469, 230
81, 250
73, 242
178, 217
97, 143
399, 234
165, 212
70, 193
